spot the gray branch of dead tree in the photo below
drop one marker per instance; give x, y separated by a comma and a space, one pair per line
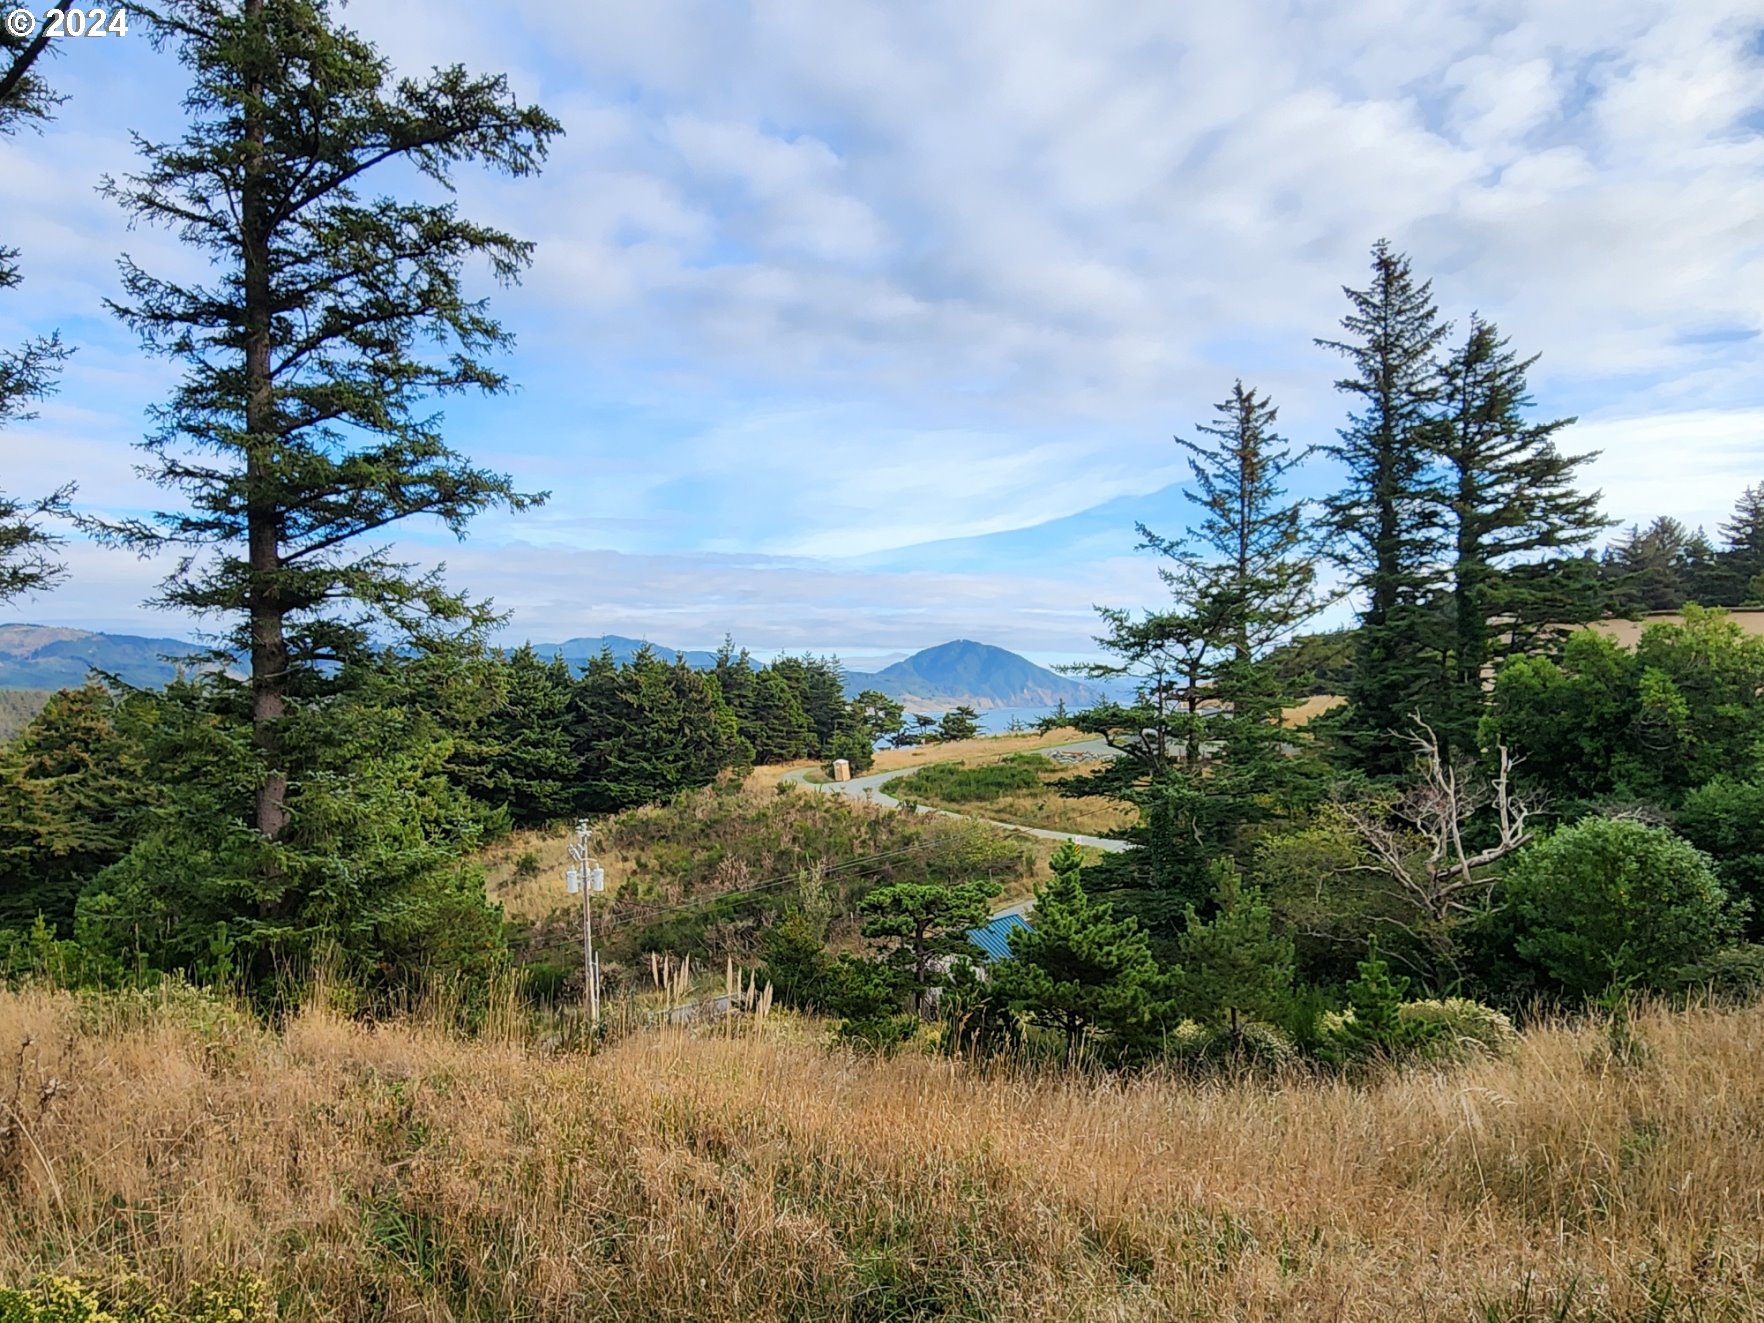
1418, 840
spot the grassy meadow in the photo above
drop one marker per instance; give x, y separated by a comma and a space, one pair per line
1022, 788
371, 1172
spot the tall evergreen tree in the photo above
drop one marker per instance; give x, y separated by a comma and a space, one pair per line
1742, 551
74, 790
27, 559
648, 731
1653, 568
1205, 754
1512, 511
1385, 520
819, 686
774, 722
302, 424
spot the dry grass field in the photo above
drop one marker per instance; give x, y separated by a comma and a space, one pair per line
397, 1172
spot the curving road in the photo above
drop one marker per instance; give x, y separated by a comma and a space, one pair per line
869, 788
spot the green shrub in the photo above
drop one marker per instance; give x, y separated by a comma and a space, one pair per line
952, 783
1258, 1046
1372, 1028
1610, 902
1458, 1029
796, 963
1735, 972
1725, 819
867, 996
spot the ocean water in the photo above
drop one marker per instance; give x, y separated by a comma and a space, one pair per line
998, 720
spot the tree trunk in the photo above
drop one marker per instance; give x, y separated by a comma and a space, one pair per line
269, 644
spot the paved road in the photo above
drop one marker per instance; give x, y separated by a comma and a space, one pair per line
870, 788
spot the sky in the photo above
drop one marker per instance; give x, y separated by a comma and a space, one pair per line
864, 326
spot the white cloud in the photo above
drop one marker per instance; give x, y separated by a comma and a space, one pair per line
822, 279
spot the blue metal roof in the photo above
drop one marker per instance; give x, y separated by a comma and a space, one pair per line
994, 940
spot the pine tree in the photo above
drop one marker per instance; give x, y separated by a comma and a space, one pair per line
774, 722
959, 723
1204, 754
646, 732
1512, 512
370, 877
1077, 968
302, 424
75, 788
1235, 967
921, 925
27, 374
1650, 569
1375, 1030
1385, 520
520, 756
1742, 553
819, 686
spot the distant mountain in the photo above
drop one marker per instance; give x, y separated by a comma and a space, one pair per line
48, 657
963, 672
623, 649
975, 674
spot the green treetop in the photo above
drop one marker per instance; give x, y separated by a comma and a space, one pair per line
325, 323
1078, 970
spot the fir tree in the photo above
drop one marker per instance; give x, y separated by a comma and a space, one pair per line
1651, 569
331, 321
75, 789
1376, 1029
1385, 520
27, 374
819, 686
1236, 966
520, 756
774, 722
645, 732
1512, 512
1078, 969
1740, 564
1204, 754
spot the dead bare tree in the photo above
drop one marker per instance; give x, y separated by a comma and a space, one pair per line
1417, 839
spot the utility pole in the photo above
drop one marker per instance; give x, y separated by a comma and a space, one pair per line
587, 876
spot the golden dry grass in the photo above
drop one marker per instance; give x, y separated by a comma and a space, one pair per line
396, 1172
1310, 709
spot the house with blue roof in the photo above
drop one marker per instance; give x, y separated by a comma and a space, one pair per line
994, 940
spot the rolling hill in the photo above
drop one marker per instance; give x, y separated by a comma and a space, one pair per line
51, 657
623, 649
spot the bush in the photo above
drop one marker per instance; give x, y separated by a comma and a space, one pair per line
1725, 819
1609, 902
797, 964
1737, 973
866, 994
1259, 1046
1458, 1029
952, 783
